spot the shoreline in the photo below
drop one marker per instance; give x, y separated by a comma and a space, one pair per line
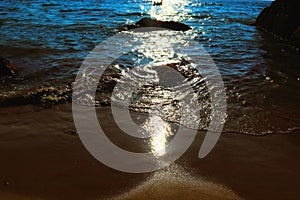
43, 158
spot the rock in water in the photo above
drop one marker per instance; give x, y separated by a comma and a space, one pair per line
149, 22
157, 3
282, 19
6, 67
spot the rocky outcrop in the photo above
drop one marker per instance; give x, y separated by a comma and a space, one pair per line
149, 22
282, 19
6, 67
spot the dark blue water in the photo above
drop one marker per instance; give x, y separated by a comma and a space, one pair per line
47, 41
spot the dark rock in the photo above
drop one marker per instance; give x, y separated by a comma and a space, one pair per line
149, 22
157, 3
6, 67
281, 19
131, 26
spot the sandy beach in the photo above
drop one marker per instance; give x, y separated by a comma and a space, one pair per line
42, 157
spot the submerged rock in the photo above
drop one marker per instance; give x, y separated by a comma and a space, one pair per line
281, 19
54, 95
149, 22
6, 67
46, 96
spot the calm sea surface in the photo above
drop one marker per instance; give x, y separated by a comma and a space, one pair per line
48, 40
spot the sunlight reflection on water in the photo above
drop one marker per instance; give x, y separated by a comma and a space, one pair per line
172, 10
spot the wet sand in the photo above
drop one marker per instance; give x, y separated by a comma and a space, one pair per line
43, 158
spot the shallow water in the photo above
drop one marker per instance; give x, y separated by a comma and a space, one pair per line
48, 42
